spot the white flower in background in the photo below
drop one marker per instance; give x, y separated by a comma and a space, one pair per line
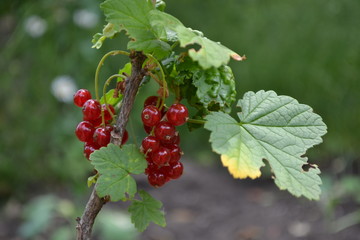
35, 26
85, 19
63, 88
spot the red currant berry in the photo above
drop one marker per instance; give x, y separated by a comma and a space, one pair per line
81, 96
177, 114
147, 129
150, 116
91, 109
153, 101
167, 171
96, 123
177, 170
102, 136
89, 148
161, 156
84, 131
125, 137
107, 114
156, 179
150, 144
175, 153
164, 131
151, 168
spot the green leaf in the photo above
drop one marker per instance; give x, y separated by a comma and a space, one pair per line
115, 165
92, 180
110, 98
271, 127
210, 54
133, 17
109, 31
145, 211
215, 87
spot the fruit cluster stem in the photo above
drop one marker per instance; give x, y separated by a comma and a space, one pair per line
95, 203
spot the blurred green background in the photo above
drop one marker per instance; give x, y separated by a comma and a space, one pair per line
306, 49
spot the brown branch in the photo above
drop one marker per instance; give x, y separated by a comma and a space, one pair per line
94, 204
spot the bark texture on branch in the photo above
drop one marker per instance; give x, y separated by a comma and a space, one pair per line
94, 204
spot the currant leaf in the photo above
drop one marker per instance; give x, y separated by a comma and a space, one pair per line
210, 54
115, 165
271, 127
109, 31
133, 17
110, 99
145, 211
215, 86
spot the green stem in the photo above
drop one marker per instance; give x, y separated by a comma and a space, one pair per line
111, 53
164, 83
107, 83
196, 121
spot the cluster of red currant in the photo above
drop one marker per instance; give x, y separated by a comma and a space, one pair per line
95, 129
161, 147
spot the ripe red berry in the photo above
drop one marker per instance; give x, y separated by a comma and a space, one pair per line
102, 136
153, 101
84, 131
151, 168
177, 170
147, 129
167, 171
150, 144
91, 109
161, 156
150, 116
89, 148
125, 137
107, 114
164, 131
175, 154
81, 96
177, 114
96, 123
156, 179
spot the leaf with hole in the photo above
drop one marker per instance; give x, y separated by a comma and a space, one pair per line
271, 127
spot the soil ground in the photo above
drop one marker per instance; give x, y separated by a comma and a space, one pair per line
207, 203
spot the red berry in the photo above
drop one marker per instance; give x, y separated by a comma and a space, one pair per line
153, 101
164, 131
151, 168
161, 156
89, 148
91, 109
150, 144
147, 129
177, 114
125, 137
81, 96
96, 123
102, 136
107, 114
167, 171
156, 179
175, 154
177, 170
150, 116
84, 131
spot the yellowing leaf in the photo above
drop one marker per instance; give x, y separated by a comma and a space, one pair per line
271, 127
